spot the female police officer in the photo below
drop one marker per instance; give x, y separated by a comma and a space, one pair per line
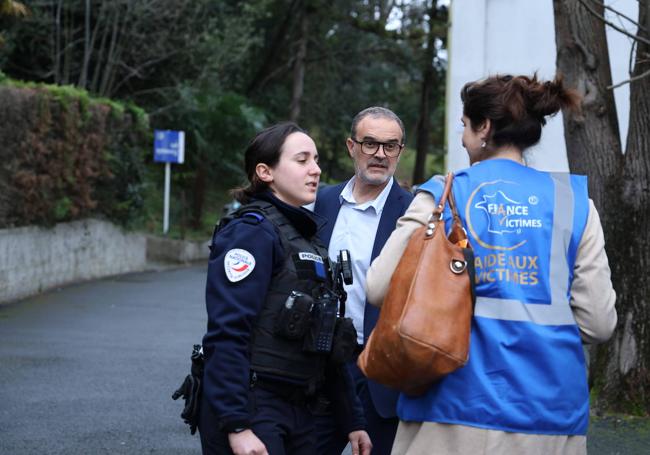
268, 283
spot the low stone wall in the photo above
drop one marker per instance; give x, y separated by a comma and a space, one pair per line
160, 249
33, 259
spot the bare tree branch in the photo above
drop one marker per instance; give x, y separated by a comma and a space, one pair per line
282, 70
137, 72
159, 90
636, 38
632, 79
614, 26
618, 13
83, 77
57, 42
94, 85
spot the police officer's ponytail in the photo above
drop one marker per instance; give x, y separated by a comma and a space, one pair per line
517, 106
265, 148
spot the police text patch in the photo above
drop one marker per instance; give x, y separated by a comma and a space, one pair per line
305, 256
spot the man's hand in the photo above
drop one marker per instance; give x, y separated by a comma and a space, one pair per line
246, 443
360, 442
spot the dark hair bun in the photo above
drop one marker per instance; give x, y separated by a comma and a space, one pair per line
549, 97
517, 106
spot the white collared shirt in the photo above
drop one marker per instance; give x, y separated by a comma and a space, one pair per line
355, 230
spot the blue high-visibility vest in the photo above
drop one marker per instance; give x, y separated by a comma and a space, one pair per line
526, 371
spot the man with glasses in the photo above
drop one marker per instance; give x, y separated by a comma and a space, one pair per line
361, 214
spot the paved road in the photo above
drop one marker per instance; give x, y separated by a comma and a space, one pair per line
89, 369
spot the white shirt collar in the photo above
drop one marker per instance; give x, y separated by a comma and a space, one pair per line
378, 203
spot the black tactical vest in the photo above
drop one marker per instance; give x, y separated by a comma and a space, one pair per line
271, 353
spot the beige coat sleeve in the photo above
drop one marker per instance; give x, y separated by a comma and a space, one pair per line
382, 268
592, 294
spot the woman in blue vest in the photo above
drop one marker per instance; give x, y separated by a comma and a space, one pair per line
266, 365
542, 283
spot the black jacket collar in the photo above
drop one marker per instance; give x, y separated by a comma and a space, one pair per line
306, 222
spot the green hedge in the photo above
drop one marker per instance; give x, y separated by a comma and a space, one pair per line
66, 155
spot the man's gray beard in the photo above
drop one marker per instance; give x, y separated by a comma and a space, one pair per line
363, 176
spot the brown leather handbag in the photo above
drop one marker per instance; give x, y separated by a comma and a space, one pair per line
423, 330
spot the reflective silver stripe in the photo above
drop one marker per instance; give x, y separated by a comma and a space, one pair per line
515, 310
562, 229
558, 312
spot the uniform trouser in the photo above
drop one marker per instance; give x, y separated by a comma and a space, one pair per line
331, 438
283, 427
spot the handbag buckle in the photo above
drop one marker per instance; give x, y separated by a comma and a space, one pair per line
431, 223
457, 266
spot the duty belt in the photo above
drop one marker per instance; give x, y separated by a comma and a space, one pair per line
290, 392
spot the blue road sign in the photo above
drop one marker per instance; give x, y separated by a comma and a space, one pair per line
169, 146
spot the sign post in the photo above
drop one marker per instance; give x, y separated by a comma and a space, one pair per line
168, 147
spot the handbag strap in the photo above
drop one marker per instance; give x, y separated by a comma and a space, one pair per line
452, 205
437, 212
436, 215
458, 235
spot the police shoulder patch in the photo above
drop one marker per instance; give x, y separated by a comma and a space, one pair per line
238, 264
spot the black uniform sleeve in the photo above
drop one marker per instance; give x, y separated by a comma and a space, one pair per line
232, 307
346, 406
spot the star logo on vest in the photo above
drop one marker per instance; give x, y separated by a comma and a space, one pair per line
238, 264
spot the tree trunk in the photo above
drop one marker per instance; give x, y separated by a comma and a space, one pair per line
111, 59
273, 53
68, 45
423, 134
592, 137
99, 57
57, 42
627, 357
83, 78
198, 200
299, 68
620, 186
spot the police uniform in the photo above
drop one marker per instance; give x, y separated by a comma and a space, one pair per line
524, 388
262, 369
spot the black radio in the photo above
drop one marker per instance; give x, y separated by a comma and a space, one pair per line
323, 321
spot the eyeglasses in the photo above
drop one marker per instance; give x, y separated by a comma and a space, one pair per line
391, 149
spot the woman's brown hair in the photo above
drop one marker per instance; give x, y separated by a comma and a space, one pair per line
516, 106
266, 148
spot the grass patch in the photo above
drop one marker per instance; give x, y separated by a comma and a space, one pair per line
618, 434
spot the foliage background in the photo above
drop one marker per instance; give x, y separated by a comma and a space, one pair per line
67, 155
222, 70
